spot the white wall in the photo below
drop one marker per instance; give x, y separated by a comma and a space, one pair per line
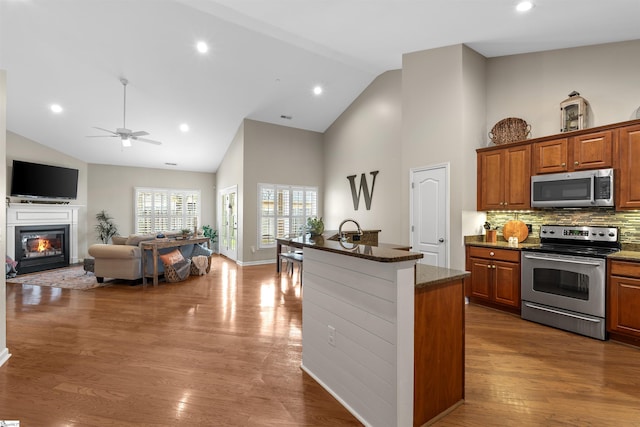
276, 154
531, 86
112, 188
21, 148
366, 138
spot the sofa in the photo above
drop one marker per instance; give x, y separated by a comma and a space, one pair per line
122, 259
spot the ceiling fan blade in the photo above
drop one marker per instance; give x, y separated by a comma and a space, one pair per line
106, 130
139, 133
150, 141
101, 136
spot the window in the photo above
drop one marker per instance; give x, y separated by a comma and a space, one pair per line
161, 209
283, 210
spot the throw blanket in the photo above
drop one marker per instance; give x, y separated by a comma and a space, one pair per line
202, 263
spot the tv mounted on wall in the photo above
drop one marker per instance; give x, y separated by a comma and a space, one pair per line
35, 180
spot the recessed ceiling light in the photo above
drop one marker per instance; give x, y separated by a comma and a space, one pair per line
184, 127
202, 47
56, 108
524, 6
317, 90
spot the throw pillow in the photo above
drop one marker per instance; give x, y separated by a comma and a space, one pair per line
119, 240
200, 250
173, 257
135, 239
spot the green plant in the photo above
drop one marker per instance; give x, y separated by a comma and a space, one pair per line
105, 228
209, 232
315, 225
185, 231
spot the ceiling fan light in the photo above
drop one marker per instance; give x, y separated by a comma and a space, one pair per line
126, 142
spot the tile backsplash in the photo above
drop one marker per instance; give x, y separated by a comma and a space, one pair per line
627, 222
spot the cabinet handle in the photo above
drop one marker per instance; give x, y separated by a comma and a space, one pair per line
576, 163
506, 203
501, 203
491, 253
564, 164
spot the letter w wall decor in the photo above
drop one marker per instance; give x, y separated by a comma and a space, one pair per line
363, 188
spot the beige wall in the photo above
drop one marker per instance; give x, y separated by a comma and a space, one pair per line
112, 188
531, 86
229, 174
3, 215
275, 154
366, 138
441, 89
21, 148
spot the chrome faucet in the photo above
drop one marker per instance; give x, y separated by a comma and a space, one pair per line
342, 235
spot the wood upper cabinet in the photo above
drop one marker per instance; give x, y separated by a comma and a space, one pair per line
550, 156
582, 152
495, 276
504, 178
628, 180
623, 299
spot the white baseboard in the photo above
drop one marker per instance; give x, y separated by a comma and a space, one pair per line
338, 398
4, 356
260, 262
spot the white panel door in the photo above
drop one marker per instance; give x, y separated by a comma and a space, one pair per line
429, 215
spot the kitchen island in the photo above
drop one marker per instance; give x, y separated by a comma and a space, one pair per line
383, 335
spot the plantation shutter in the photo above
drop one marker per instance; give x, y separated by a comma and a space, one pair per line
158, 209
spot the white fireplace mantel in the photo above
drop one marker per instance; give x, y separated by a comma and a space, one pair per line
22, 214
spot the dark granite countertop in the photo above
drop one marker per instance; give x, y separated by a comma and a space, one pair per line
501, 243
629, 252
625, 255
428, 275
383, 252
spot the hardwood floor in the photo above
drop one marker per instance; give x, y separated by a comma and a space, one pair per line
520, 373
225, 350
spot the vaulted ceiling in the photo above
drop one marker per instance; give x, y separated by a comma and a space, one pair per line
264, 59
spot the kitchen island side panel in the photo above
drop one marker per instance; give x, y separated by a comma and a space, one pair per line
357, 301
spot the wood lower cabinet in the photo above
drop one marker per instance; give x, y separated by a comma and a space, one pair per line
582, 152
495, 277
623, 301
628, 187
504, 178
438, 350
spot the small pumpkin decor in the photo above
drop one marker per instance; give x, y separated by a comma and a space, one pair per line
315, 226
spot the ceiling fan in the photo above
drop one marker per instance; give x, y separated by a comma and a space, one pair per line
126, 135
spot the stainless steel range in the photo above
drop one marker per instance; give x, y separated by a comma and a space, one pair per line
563, 280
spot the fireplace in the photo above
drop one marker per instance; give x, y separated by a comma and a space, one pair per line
41, 247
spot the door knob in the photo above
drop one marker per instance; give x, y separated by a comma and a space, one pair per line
441, 240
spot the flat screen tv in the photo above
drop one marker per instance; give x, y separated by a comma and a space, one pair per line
35, 180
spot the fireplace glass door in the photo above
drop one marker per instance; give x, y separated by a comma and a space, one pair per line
41, 247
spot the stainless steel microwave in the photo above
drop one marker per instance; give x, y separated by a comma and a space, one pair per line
573, 189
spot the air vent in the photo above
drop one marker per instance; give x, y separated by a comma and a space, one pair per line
282, 116
171, 164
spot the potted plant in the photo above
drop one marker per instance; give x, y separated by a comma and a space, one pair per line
185, 233
105, 228
209, 232
315, 226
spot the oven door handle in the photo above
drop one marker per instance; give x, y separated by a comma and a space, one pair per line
569, 261
550, 310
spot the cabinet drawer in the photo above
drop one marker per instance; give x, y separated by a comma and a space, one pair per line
627, 269
492, 253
